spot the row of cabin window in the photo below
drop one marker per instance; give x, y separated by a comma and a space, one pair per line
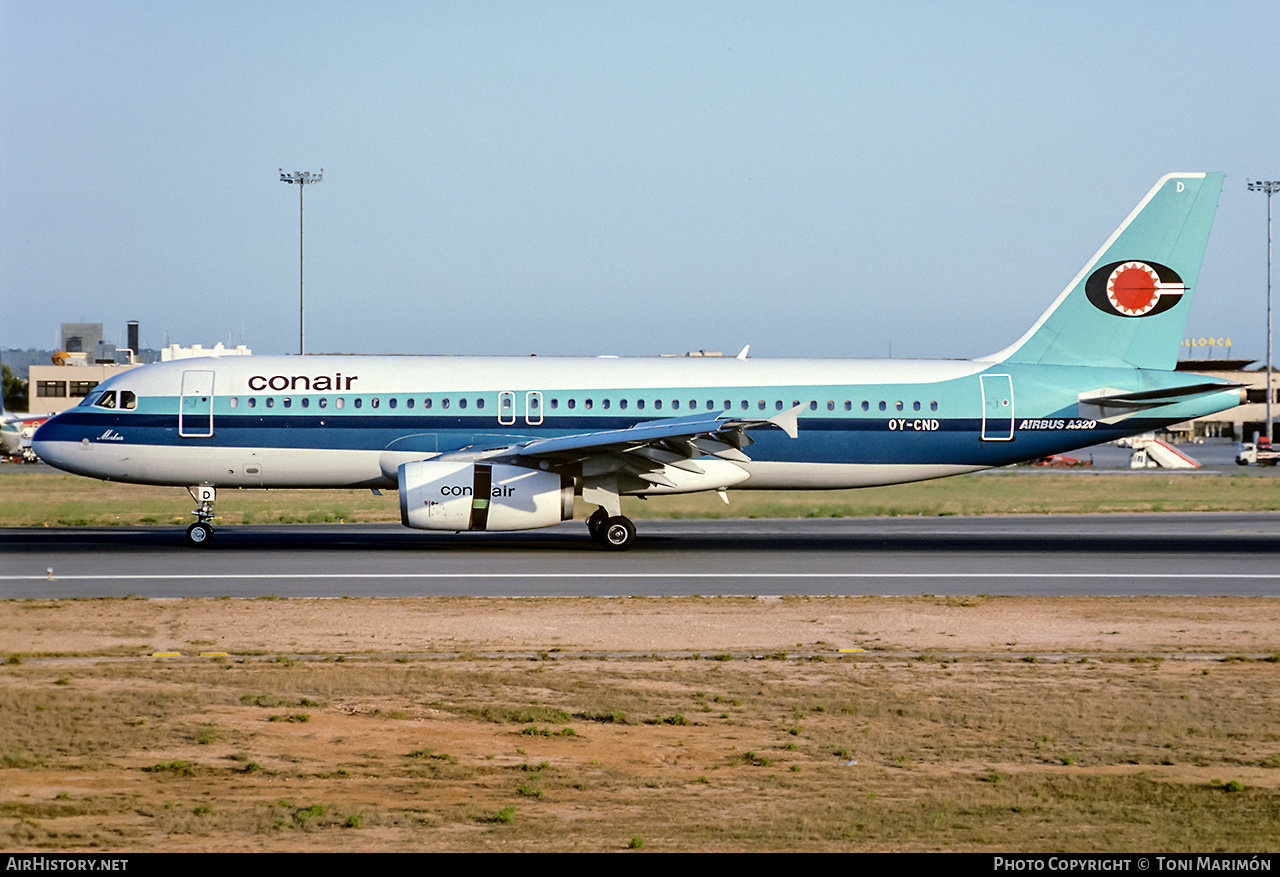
341, 402
587, 404
745, 405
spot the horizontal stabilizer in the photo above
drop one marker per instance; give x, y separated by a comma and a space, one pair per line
1151, 398
1109, 405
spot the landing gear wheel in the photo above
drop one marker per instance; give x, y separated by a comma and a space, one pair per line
199, 534
617, 534
595, 522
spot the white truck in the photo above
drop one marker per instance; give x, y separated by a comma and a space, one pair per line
1261, 452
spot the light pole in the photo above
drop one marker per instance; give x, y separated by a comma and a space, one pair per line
1270, 187
301, 179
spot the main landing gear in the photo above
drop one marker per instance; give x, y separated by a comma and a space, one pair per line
613, 532
200, 534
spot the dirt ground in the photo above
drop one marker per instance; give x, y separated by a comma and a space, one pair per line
608, 723
637, 624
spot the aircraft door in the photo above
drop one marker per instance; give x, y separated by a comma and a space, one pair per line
195, 408
508, 403
997, 408
533, 408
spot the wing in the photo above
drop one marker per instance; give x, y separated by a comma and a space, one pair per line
647, 451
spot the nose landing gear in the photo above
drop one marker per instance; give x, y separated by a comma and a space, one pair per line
200, 534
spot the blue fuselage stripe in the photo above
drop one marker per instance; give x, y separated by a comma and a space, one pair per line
821, 439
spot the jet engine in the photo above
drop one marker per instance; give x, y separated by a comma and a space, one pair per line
481, 496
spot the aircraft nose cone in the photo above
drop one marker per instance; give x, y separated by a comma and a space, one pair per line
50, 452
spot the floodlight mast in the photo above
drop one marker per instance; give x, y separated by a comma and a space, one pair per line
301, 179
1270, 187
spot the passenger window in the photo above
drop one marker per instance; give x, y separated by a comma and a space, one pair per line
675, 404
462, 403
640, 404
408, 403
848, 406
831, 405
444, 403
306, 403
337, 403
233, 402
479, 403
555, 403
586, 403
271, 401
286, 402
657, 404
883, 405
253, 403
760, 404
373, 403
391, 403
622, 403
898, 405
426, 403
572, 403
745, 406
358, 402
813, 404
933, 406
777, 406
322, 402
866, 406
604, 403
915, 406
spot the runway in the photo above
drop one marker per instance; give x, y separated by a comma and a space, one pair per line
1128, 555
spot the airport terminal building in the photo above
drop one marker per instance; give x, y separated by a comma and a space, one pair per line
84, 360
1243, 422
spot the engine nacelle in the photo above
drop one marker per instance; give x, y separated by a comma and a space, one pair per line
482, 496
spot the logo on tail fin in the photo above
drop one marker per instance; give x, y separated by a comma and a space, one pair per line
1134, 289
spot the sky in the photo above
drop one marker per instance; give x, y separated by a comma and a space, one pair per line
850, 179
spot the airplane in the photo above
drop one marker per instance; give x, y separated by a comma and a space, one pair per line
505, 443
16, 432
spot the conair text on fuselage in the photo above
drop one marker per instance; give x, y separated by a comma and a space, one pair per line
302, 382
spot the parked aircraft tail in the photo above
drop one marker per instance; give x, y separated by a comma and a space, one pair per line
1128, 305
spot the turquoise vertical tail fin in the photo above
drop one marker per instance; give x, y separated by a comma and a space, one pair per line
1128, 306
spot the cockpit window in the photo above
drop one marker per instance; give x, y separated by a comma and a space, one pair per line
125, 399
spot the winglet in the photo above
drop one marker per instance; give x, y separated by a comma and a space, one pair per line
788, 421
743, 354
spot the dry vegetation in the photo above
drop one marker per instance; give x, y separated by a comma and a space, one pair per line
1140, 740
